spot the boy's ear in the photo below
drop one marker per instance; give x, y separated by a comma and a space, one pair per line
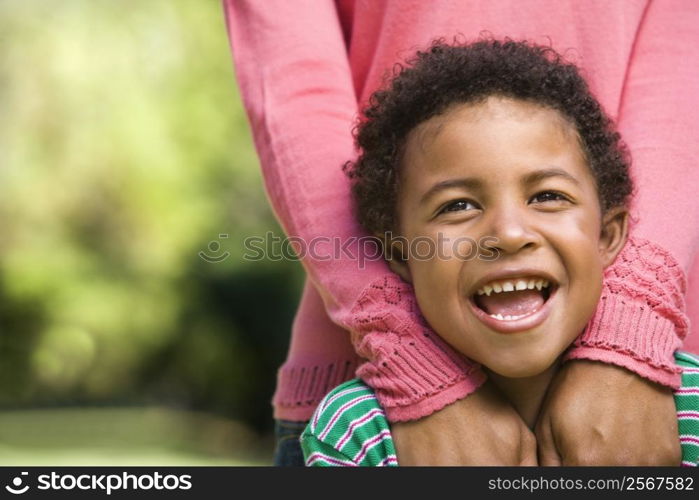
613, 234
395, 252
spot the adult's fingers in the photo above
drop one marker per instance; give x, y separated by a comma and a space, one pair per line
547, 452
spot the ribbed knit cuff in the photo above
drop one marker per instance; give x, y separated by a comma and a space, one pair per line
412, 370
655, 374
437, 401
640, 319
300, 387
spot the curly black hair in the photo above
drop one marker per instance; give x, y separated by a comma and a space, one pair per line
449, 74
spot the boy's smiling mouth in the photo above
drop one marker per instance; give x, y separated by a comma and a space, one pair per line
513, 301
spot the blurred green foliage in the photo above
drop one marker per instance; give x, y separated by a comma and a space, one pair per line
124, 152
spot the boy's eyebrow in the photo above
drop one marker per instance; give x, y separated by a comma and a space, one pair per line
543, 174
466, 183
476, 184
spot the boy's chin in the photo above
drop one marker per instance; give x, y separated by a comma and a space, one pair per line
522, 369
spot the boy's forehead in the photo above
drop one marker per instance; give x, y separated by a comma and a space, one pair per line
492, 140
491, 108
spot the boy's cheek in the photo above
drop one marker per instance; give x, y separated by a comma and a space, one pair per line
457, 247
439, 294
438, 277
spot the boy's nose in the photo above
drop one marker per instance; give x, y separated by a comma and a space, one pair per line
510, 230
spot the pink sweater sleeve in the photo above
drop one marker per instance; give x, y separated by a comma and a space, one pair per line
296, 84
294, 76
641, 318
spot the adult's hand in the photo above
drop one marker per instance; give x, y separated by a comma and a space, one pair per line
481, 429
599, 414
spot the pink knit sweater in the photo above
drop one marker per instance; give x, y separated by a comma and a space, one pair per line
305, 68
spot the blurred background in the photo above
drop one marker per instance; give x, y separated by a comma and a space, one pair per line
126, 171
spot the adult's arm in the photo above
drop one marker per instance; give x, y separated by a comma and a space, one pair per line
295, 80
641, 319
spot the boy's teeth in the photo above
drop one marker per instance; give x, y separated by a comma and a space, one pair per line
521, 285
506, 317
511, 286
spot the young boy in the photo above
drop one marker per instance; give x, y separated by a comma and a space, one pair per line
498, 154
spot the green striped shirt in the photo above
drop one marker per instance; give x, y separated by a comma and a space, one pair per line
349, 428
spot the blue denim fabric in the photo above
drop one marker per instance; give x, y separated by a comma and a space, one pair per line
288, 450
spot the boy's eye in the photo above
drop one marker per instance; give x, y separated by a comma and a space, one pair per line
549, 196
457, 206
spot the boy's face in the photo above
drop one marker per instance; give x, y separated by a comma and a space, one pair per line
512, 171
